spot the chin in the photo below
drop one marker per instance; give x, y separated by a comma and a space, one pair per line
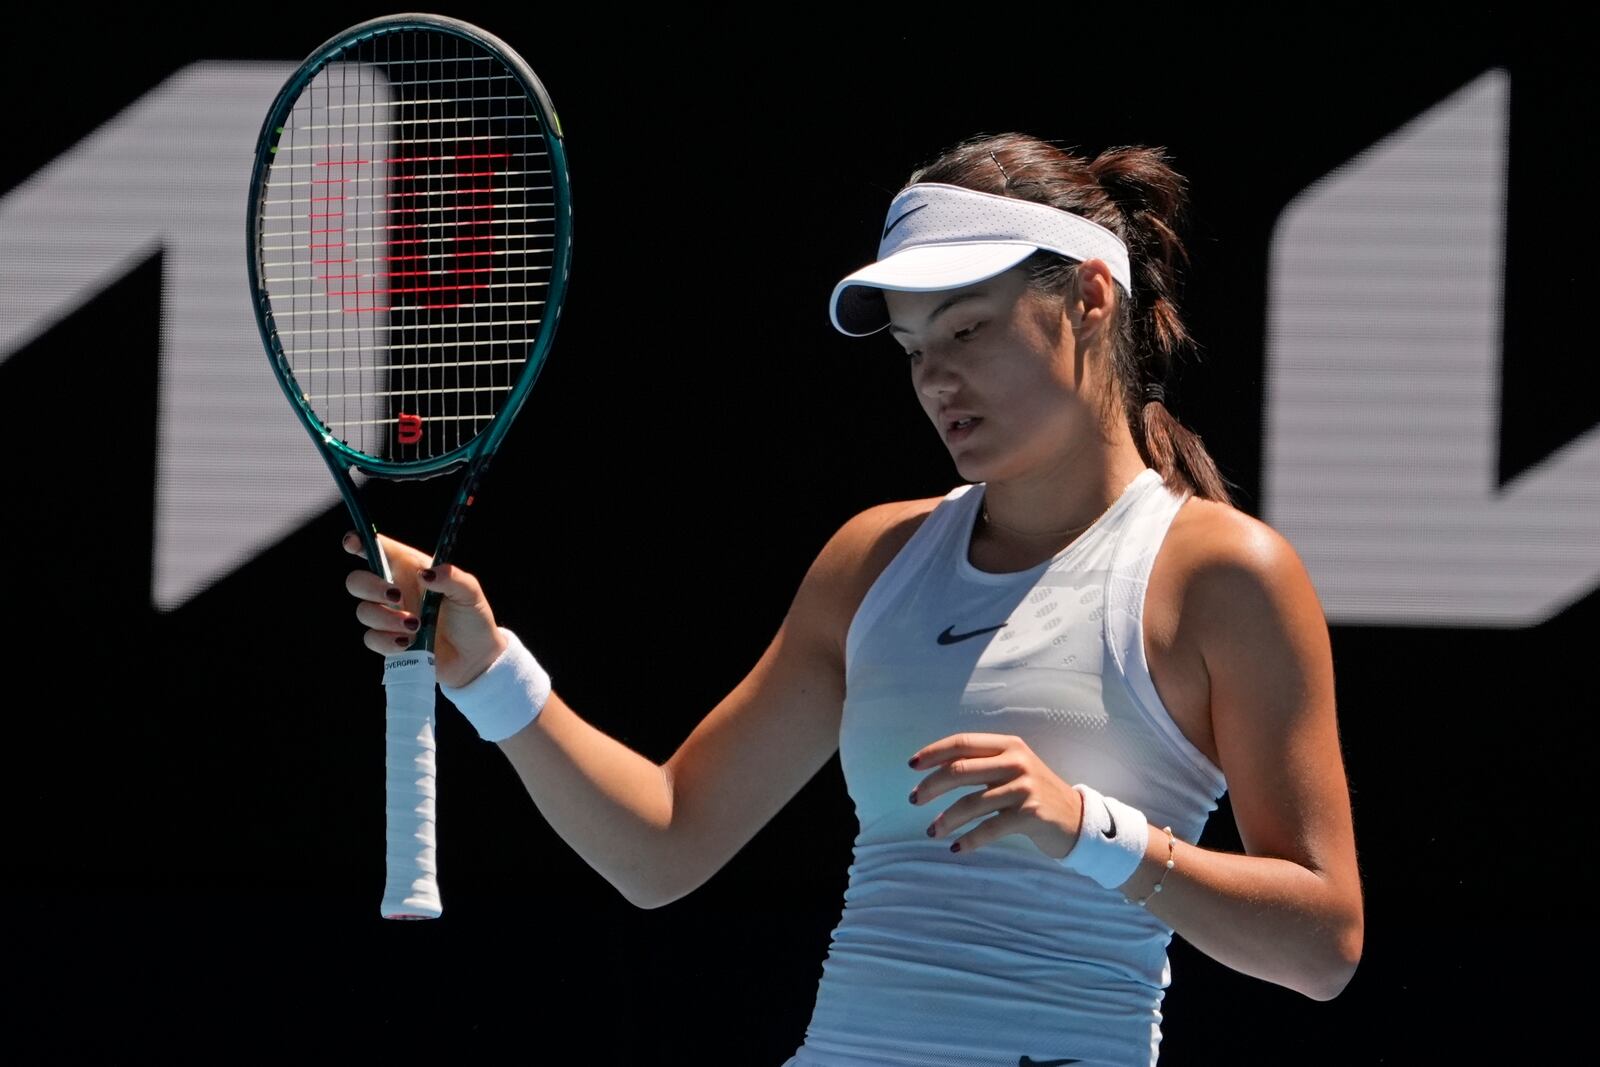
971, 469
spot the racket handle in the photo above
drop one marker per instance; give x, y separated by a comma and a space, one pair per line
411, 890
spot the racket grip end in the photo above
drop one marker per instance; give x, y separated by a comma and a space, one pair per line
411, 890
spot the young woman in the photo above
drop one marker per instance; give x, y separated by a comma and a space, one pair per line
1039, 683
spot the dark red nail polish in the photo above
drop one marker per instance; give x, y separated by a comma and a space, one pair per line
392, 594
913, 796
913, 761
412, 624
429, 575
956, 847
402, 641
930, 831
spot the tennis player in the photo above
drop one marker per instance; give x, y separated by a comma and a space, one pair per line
1039, 684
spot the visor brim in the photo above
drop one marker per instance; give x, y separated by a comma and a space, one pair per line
858, 308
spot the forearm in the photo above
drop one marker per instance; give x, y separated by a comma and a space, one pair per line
612, 805
1269, 918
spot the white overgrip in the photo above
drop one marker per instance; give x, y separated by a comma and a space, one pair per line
411, 890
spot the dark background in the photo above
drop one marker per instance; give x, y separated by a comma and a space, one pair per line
197, 863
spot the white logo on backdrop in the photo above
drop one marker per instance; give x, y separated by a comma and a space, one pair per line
235, 471
1383, 390
1382, 363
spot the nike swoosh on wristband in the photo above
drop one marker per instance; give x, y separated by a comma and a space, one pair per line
901, 219
949, 637
1111, 833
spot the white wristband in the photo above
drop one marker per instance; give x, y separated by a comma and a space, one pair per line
506, 697
1111, 840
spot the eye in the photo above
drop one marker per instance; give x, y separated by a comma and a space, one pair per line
960, 335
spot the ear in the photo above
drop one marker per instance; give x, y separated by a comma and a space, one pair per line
1097, 293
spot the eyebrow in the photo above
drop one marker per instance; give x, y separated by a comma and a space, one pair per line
943, 307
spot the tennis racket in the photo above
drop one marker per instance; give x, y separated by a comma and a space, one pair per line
409, 241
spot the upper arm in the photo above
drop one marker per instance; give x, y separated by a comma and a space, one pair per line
1267, 650
776, 729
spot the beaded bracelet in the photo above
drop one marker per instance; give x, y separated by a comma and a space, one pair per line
1170, 864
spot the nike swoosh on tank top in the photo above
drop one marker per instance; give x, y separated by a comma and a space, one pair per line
977, 959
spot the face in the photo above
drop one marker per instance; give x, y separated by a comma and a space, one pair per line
1010, 360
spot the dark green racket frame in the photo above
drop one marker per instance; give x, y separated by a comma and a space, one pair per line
476, 453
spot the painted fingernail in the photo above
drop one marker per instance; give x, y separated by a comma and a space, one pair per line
913, 796
402, 641
412, 624
930, 831
393, 594
429, 575
913, 761
956, 847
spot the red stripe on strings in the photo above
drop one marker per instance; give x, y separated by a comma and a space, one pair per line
411, 307
435, 159
406, 289
440, 192
417, 210
417, 273
449, 174
411, 159
457, 255
425, 240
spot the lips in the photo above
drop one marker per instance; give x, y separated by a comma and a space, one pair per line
957, 427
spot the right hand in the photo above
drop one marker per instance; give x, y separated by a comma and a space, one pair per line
466, 640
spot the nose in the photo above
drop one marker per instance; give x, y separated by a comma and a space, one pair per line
935, 376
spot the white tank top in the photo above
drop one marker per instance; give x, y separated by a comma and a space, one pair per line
1002, 956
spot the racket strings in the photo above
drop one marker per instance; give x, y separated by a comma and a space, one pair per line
407, 239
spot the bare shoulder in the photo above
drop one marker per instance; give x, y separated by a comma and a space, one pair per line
854, 557
1224, 585
1222, 558
876, 535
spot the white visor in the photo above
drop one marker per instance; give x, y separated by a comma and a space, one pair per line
939, 236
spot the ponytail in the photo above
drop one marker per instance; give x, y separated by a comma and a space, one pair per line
1133, 192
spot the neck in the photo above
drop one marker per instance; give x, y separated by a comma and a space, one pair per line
1061, 500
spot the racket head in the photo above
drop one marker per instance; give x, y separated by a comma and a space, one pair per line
409, 229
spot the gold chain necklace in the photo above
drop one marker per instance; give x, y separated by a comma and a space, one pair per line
1047, 533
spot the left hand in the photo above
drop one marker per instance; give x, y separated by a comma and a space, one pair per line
1028, 796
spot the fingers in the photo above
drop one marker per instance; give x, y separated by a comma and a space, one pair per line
369, 586
404, 564
961, 745
1010, 821
352, 544
987, 770
974, 804
400, 554
387, 643
389, 629
389, 620
453, 583
467, 636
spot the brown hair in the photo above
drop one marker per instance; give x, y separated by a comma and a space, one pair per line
1134, 193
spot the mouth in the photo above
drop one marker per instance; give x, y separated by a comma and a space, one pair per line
960, 427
